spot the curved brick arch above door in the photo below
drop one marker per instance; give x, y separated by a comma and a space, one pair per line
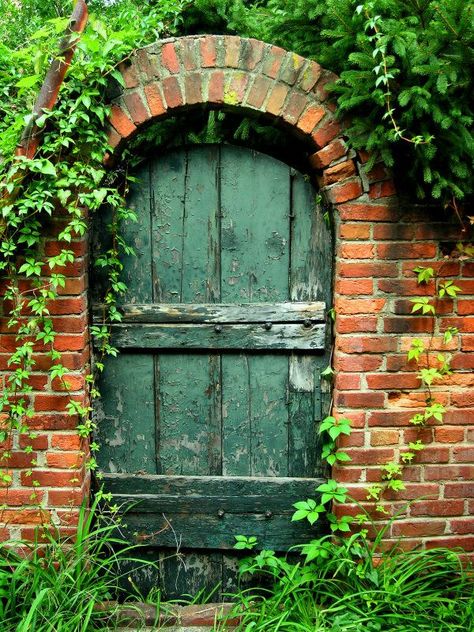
229, 71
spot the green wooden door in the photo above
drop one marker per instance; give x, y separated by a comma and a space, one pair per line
208, 418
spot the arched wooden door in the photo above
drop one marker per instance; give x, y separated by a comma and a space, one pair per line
208, 418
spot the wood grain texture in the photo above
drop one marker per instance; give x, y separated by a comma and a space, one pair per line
230, 313
194, 336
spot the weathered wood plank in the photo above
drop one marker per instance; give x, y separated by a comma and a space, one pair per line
167, 182
255, 215
231, 313
137, 267
206, 512
268, 383
201, 227
125, 414
301, 431
309, 275
262, 489
236, 415
189, 418
252, 337
205, 531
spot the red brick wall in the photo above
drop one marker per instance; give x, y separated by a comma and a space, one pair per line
58, 481
377, 249
378, 244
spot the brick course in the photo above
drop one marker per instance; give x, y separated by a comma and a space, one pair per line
379, 243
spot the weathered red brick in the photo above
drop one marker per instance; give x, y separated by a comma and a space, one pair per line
326, 132
25, 516
346, 190
232, 51
384, 437
64, 460
459, 490
345, 305
136, 107
172, 92
353, 324
367, 270
70, 441
193, 88
277, 99
121, 122
357, 362
382, 189
17, 497
366, 344
448, 434
208, 52
359, 400
368, 212
324, 157
258, 91
251, 53
353, 287
394, 231
189, 54
309, 76
294, 107
451, 473
46, 478
169, 58
216, 87
357, 251
154, 100
354, 231
463, 526
272, 62
374, 456
400, 250
422, 528
338, 172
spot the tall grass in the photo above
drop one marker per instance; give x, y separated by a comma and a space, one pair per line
57, 587
344, 586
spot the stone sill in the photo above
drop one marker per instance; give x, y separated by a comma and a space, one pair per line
171, 617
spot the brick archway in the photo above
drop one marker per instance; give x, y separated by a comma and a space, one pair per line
230, 72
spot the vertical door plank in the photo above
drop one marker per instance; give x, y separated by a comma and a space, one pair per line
255, 216
190, 423
137, 268
308, 275
191, 574
187, 401
301, 416
236, 415
167, 175
125, 414
255, 203
201, 227
269, 414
